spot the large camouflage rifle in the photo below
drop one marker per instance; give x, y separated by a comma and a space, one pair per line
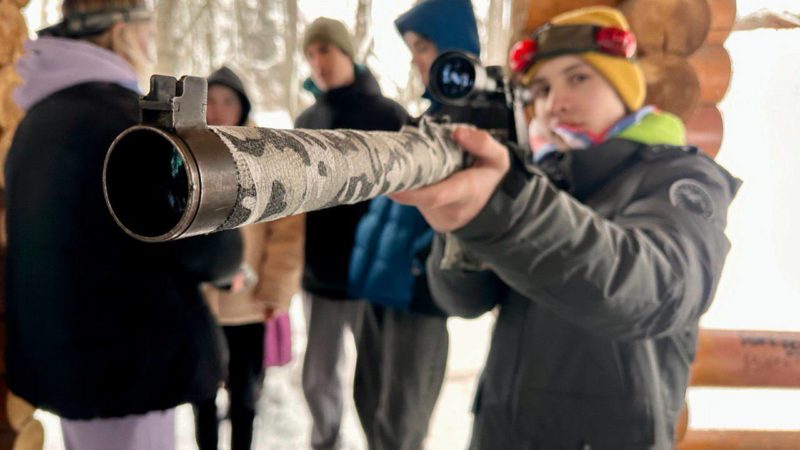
173, 176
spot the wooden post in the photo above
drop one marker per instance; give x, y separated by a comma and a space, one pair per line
16, 415
739, 440
30, 433
682, 423
730, 358
742, 358
7, 433
13, 33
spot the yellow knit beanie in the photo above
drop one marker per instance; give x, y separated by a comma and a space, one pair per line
625, 75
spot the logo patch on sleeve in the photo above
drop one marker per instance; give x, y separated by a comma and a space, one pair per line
692, 196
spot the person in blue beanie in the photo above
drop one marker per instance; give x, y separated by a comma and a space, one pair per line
403, 342
435, 26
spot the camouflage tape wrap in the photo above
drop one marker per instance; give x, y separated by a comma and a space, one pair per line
287, 172
162, 184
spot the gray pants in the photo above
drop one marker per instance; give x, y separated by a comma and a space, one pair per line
324, 365
401, 364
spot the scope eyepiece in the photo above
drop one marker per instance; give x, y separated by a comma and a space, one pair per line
459, 79
452, 78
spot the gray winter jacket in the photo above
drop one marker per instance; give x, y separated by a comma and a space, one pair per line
600, 286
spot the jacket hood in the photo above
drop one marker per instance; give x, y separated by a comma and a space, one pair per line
656, 128
51, 64
224, 76
450, 24
363, 84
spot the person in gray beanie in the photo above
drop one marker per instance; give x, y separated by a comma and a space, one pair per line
347, 96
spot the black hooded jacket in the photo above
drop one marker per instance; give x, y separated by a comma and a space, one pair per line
228, 78
330, 233
99, 324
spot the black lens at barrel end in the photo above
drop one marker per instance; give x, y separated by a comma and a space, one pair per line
147, 183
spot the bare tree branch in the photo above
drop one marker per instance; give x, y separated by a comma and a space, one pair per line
363, 34
211, 33
290, 72
765, 18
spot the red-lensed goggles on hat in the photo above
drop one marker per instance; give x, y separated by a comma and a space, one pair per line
555, 40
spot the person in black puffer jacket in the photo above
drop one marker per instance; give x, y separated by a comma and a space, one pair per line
347, 96
601, 249
107, 332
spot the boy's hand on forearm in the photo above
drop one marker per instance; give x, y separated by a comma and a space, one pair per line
455, 201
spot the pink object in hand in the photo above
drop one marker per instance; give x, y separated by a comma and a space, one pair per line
277, 341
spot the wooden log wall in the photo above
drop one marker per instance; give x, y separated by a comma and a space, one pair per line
747, 359
18, 429
743, 358
12, 36
740, 440
688, 70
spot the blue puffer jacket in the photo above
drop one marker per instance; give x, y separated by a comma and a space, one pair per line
387, 268
392, 241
